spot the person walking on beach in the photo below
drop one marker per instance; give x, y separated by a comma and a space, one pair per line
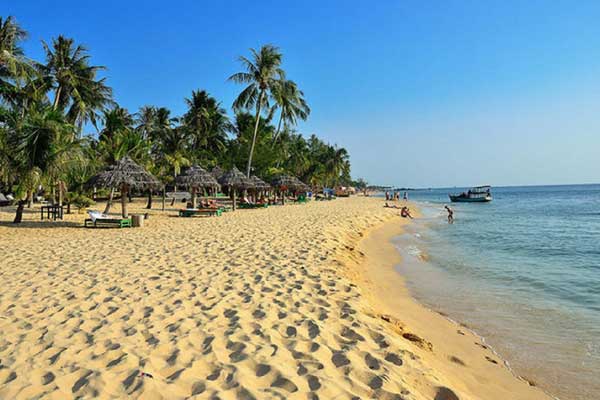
405, 196
387, 196
450, 214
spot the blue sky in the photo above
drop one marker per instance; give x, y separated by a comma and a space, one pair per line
421, 93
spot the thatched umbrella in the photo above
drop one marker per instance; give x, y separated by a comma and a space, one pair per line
235, 180
216, 172
126, 175
259, 184
196, 178
300, 186
285, 183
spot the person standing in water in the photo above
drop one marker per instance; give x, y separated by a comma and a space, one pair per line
450, 214
405, 196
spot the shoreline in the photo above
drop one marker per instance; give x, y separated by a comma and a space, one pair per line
462, 355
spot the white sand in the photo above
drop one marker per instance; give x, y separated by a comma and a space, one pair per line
269, 303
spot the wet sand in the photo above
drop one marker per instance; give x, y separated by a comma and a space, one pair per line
294, 302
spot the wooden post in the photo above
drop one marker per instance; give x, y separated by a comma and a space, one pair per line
124, 201
193, 197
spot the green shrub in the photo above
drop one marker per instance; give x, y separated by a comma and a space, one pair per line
80, 202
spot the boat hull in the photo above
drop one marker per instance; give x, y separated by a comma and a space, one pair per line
462, 199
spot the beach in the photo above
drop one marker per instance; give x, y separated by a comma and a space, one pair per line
295, 302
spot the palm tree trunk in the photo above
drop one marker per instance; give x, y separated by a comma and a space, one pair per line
56, 97
124, 191
110, 200
30, 198
278, 129
60, 192
19, 213
258, 107
164, 195
149, 205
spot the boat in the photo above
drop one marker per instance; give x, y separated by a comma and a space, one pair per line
477, 194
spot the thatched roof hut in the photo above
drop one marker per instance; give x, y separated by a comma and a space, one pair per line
216, 172
125, 172
286, 182
235, 180
301, 186
259, 184
196, 178
125, 175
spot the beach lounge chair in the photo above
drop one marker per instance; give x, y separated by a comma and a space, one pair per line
97, 219
252, 205
191, 212
4, 200
301, 199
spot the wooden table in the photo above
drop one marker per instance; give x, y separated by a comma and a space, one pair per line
55, 211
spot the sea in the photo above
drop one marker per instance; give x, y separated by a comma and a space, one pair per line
522, 271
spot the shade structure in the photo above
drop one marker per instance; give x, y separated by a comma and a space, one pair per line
216, 172
286, 182
125, 175
301, 186
235, 180
125, 172
259, 184
196, 178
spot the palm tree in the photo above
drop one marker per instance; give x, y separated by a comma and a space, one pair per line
145, 120
12, 58
337, 163
290, 101
119, 139
18, 81
73, 80
207, 124
262, 73
42, 143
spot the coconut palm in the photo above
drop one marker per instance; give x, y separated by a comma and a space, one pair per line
145, 120
18, 81
12, 58
337, 163
42, 143
290, 101
77, 90
119, 139
207, 124
262, 73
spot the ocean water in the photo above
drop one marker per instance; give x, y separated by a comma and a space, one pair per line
523, 272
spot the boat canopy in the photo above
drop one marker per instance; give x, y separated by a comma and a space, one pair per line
481, 189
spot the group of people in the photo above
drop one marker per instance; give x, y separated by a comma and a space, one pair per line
405, 211
395, 196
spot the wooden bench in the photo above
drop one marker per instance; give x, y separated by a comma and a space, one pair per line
202, 211
116, 222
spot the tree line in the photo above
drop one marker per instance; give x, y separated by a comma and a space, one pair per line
46, 106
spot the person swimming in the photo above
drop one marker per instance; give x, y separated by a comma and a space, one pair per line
450, 214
